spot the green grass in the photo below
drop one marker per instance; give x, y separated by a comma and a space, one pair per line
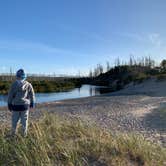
161, 77
52, 86
162, 115
42, 86
4, 86
54, 140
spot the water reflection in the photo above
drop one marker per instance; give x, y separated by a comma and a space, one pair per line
3, 100
84, 91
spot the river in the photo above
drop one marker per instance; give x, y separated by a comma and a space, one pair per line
84, 91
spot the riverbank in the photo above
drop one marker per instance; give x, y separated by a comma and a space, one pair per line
120, 128
138, 109
138, 114
43, 86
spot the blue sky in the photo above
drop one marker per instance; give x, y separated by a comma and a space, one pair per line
65, 36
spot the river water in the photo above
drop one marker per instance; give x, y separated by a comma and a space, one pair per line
84, 91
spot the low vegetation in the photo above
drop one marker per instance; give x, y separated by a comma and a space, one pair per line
4, 86
135, 70
116, 77
162, 114
42, 86
54, 140
52, 86
161, 77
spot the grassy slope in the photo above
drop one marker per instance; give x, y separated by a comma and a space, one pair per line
119, 76
54, 140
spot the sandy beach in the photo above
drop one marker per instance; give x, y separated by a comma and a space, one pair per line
118, 112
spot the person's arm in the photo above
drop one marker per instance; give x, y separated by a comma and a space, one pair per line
11, 96
32, 97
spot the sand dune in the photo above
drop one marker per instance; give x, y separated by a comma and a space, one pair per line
150, 87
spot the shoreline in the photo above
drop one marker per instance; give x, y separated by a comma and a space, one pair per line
139, 114
56, 101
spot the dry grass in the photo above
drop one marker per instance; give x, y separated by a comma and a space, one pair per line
54, 140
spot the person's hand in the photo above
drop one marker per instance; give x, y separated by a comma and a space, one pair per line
10, 107
31, 109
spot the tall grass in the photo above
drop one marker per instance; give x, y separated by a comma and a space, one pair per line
54, 140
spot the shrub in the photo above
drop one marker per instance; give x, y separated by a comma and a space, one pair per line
161, 77
141, 77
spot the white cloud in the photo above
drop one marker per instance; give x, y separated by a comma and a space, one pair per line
133, 36
31, 46
152, 38
90, 35
155, 39
35, 47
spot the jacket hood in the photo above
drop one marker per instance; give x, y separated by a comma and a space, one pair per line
22, 84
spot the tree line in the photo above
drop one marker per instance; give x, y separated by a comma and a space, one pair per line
139, 63
34, 77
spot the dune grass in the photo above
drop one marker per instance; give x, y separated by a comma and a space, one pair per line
54, 140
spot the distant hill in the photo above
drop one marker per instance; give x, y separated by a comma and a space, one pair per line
118, 77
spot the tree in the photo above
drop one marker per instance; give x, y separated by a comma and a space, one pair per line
163, 65
131, 60
100, 68
90, 74
108, 66
95, 73
117, 62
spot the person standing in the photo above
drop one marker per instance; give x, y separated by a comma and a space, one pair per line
21, 98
